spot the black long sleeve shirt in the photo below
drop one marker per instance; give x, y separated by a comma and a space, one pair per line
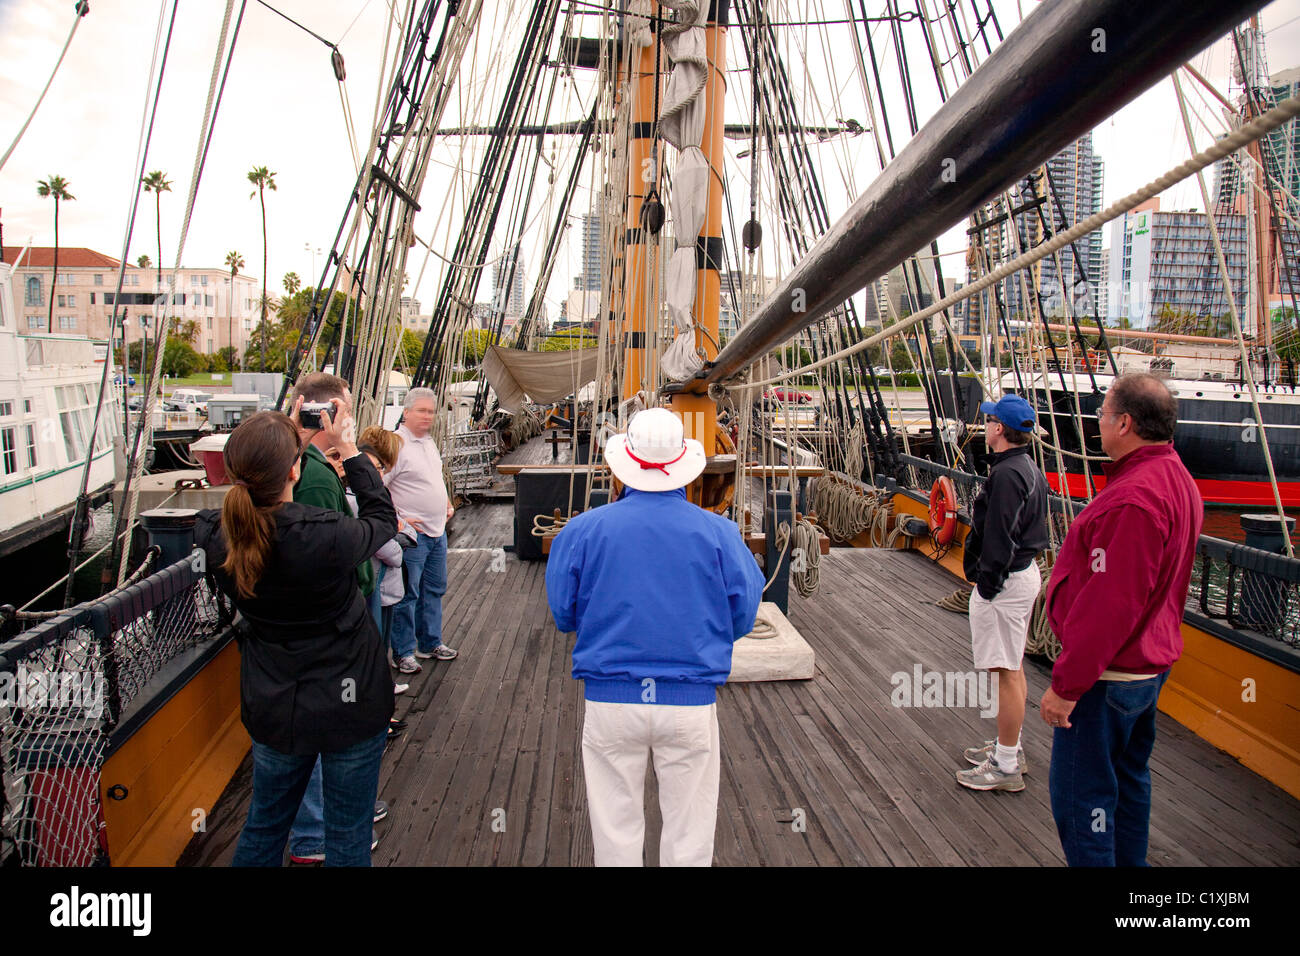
1008, 519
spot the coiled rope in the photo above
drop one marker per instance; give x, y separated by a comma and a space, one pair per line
808, 579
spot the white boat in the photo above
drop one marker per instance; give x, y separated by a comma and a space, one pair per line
49, 388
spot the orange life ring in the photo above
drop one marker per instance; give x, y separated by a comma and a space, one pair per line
943, 510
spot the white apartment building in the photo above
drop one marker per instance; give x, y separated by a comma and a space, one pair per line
86, 293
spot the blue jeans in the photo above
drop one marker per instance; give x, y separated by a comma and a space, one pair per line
350, 782
307, 836
417, 618
1099, 782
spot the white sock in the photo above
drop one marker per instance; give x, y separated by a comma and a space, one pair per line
1005, 757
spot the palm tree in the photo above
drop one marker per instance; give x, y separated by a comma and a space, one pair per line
57, 187
144, 262
236, 262
263, 179
292, 283
156, 183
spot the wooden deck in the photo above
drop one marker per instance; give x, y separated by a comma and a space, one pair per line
494, 739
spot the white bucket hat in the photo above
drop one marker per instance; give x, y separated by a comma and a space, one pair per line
652, 455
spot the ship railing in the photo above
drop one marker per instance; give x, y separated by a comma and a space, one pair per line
74, 687
469, 456
1253, 592
1246, 596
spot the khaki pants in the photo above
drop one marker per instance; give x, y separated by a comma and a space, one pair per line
616, 740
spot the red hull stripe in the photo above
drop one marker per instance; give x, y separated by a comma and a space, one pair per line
1213, 491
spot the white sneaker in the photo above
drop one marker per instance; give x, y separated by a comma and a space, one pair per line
409, 665
399, 689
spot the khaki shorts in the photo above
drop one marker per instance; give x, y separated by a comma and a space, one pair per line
999, 628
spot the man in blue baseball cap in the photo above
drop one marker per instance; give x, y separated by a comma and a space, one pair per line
1008, 530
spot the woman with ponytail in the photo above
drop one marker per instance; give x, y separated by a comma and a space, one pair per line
314, 677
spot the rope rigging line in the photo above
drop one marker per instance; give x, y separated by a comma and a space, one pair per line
82, 8
210, 111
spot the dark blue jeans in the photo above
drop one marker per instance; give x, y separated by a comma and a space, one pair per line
351, 782
417, 618
1099, 782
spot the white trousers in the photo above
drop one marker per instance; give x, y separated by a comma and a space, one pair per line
616, 740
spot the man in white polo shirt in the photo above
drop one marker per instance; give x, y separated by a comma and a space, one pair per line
420, 497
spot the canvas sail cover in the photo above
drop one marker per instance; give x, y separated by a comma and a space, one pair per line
540, 377
682, 125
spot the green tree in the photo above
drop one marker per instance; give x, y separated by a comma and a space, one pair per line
157, 183
567, 339
477, 342
236, 262
293, 311
179, 358
56, 187
411, 348
144, 262
291, 282
263, 179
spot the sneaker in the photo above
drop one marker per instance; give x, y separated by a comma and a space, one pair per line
409, 665
396, 723
977, 755
399, 689
311, 858
381, 811
988, 776
442, 653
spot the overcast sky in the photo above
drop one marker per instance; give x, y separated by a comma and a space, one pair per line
281, 109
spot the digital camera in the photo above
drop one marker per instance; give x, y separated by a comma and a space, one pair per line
309, 414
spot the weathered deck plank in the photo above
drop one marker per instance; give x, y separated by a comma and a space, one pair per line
500, 728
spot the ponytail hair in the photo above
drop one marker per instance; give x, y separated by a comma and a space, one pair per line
259, 456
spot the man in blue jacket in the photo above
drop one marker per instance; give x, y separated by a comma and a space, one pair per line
658, 591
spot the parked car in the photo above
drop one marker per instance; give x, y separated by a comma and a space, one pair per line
189, 400
117, 380
782, 394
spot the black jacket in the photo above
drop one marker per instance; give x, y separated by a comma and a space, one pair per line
314, 672
1008, 521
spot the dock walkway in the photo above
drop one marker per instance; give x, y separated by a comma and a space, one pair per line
820, 772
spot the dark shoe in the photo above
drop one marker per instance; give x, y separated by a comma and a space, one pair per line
396, 724
381, 811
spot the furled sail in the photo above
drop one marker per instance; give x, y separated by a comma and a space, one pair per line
518, 376
682, 125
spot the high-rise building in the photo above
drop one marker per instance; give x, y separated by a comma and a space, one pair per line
737, 302
508, 285
1279, 153
1163, 266
1067, 189
593, 257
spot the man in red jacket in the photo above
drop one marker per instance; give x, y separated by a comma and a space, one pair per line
1116, 602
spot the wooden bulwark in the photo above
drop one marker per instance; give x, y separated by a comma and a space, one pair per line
820, 772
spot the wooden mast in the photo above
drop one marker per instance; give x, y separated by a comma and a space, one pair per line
639, 288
